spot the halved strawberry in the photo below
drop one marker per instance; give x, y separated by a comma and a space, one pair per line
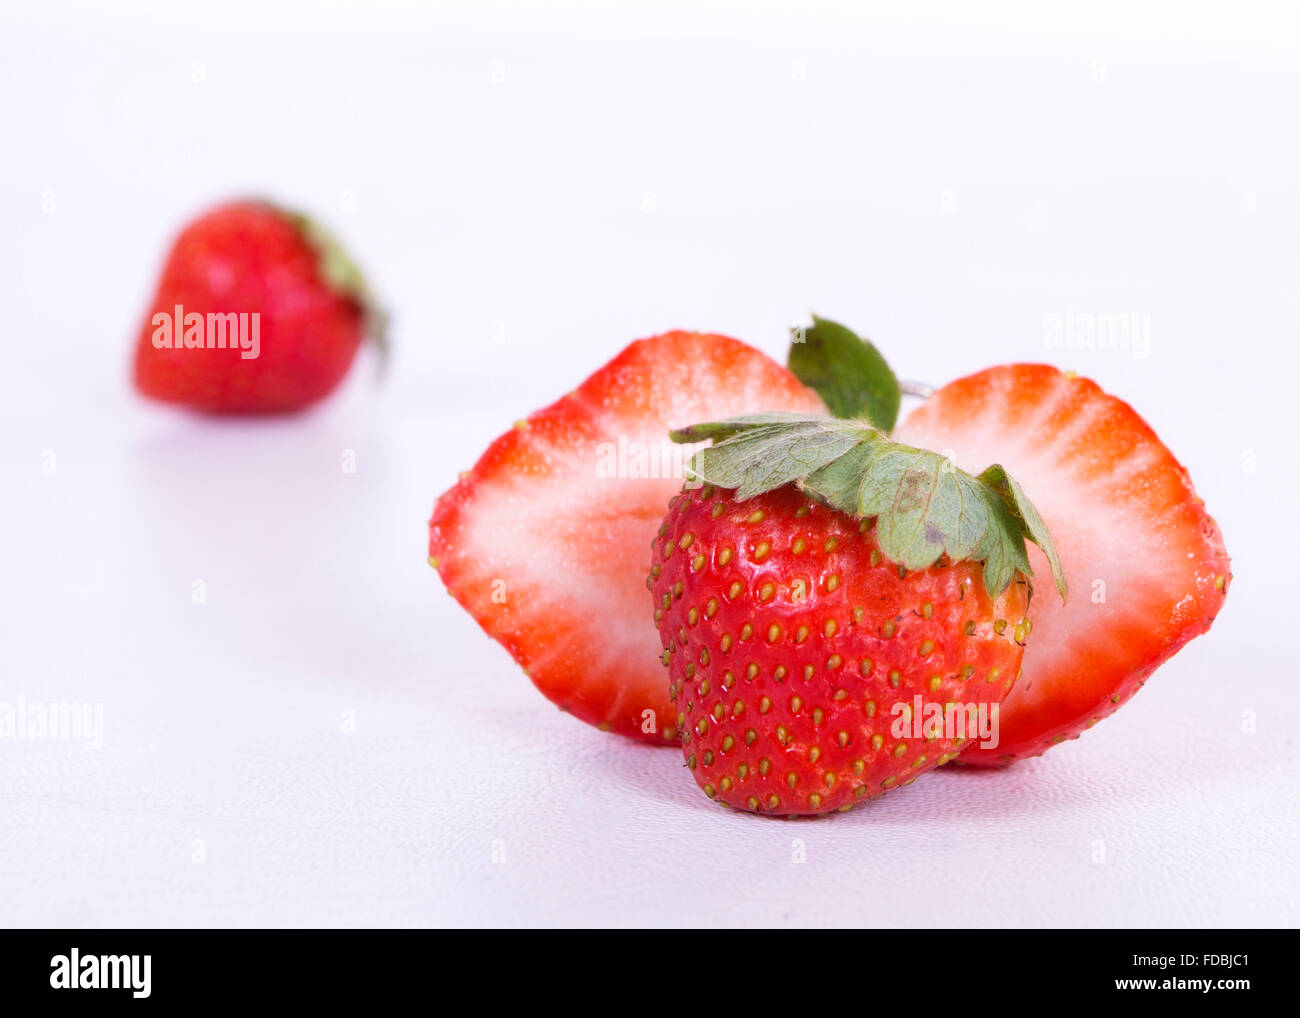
1146, 564
544, 541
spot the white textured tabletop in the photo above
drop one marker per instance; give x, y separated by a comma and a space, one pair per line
291, 721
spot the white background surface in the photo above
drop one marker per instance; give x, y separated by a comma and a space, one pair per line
329, 739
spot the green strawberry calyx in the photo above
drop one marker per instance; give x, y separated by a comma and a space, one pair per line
924, 506
846, 371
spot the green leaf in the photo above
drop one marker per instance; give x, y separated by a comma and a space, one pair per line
767, 456
723, 429
924, 506
1018, 504
839, 484
1001, 547
848, 373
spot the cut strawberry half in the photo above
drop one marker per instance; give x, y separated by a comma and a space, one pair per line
544, 542
1145, 563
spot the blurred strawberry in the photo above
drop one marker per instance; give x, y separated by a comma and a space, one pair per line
258, 311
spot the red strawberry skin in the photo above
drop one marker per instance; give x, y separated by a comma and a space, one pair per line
248, 257
544, 541
1145, 562
789, 639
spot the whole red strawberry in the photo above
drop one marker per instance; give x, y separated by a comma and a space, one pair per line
839, 613
258, 311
